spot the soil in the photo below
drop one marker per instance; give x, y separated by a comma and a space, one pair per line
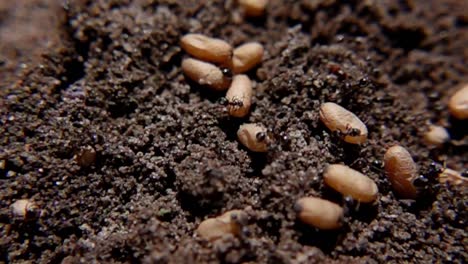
125, 157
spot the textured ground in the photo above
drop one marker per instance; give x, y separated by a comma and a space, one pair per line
106, 75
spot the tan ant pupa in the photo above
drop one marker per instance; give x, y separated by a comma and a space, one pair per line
458, 104
337, 118
247, 56
319, 213
206, 48
254, 137
253, 8
401, 171
227, 223
239, 96
205, 73
350, 182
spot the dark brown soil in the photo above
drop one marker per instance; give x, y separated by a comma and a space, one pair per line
104, 76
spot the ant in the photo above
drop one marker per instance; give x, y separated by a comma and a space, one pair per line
420, 182
364, 81
350, 205
261, 136
236, 102
223, 101
351, 131
423, 182
226, 72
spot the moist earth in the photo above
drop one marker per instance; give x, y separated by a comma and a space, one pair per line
125, 157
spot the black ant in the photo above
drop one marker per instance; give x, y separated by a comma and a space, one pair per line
223, 101
423, 183
242, 220
234, 103
227, 72
364, 81
377, 165
351, 131
420, 181
350, 204
465, 173
261, 136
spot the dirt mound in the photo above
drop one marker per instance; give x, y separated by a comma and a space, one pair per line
125, 157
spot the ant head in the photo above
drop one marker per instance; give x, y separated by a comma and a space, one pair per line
261, 136
226, 72
223, 101
350, 204
435, 168
420, 181
236, 102
377, 163
364, 81
354, 132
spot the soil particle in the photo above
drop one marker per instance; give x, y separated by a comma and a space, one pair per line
166, 154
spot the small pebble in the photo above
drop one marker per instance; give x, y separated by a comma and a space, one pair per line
86, 157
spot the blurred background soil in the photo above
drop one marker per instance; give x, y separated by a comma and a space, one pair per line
27, 29
125, 157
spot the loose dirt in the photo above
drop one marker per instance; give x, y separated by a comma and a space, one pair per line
105, 77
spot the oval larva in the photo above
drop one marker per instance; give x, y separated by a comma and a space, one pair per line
350, 182
337, 118
239, 96
319, 213
206, 48
247, 56
205, 73
458, 104
401, 171
227, 223
254, 137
